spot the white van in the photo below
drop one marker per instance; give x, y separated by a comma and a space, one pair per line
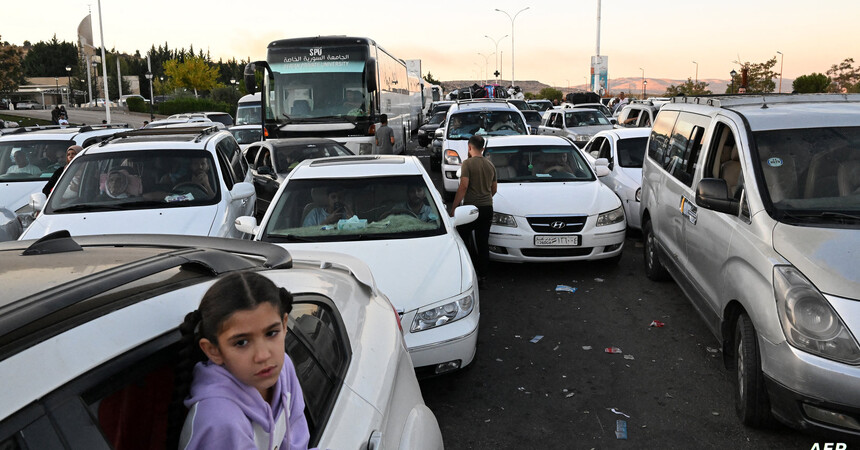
248, 110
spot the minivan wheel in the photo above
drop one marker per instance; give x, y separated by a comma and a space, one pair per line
654, 269
751, 401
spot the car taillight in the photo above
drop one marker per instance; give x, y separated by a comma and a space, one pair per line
397, 315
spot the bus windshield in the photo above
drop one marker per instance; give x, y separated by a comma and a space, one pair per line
317, 83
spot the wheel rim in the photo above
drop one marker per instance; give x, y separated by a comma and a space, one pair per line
649, 248
741, 368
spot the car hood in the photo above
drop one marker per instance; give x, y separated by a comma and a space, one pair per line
826, 256
589, 130
16, 195
429, 127
195, 220
411, 272
569, 197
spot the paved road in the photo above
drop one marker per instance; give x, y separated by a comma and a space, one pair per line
91, 116
559, 392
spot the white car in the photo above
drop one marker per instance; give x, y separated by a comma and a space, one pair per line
624, 149
45, 151
483, 117
191, 181
359, 205
90, 341
550, 205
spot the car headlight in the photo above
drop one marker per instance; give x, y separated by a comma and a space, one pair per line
421, 132
504, 220
611, 217
639, 194
443, 315
808, 320
452, 158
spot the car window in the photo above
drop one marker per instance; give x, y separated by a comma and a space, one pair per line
539, 163
31, 160
251, 155
288, 158
584, 119
264, 158
605, 148
35, 432
464, 125
247, 136
136, 180
631, 151
660, 134
684, 145
332, 209
437, 118
224, 118
231, 150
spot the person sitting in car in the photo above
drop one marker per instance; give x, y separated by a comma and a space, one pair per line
22, 164
505, 123
414, 205
330, 214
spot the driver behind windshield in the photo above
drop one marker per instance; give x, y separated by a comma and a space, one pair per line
415, 205
504, 123
330, 214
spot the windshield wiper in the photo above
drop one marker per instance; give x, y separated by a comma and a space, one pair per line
289, 238
87, 207
289, 120
824, 215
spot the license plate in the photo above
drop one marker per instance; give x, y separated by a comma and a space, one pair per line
557, 240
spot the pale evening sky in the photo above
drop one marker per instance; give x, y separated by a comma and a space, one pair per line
554, 39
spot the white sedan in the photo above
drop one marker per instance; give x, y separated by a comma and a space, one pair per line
624, 149
385, 211
550, 205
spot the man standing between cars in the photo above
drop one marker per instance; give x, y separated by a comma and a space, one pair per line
384, 137
478, 184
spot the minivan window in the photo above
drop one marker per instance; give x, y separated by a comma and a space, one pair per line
660, 134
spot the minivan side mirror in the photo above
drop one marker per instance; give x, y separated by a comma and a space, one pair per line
713, 194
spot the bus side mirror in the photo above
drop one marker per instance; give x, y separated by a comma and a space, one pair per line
250, 78
370, 74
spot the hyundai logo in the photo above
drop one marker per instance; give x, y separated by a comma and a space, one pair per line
557, 225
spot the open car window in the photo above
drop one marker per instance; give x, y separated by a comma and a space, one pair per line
31, 160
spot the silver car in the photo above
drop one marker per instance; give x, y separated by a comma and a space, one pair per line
578, 124
752, 204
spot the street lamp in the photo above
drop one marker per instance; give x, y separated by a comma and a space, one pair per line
643, 79
697, 71
233, 83
644, 89
82, 83
496, 42
148, 76
69, 74
486, 64
57, 88
512, 39
39, 90
733, 74
781, 58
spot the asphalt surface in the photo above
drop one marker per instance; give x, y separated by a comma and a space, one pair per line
542, 379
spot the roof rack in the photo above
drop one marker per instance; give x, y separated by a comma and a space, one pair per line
71, 129
727, 100
199, 130
482, 100
102, 126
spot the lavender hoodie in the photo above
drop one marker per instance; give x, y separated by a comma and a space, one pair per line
225, 413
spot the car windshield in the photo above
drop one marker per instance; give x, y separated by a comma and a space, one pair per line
136, 180
541, 105
248, 135
631, 151
811, 174
532, 118
539, 163
397, 207
224, 118
31, 160
584, 118
438, 118
248, 113
485, 123
289, 157
520, 104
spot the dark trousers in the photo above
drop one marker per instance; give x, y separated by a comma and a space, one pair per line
480, 251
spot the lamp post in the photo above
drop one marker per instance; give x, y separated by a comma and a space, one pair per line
39, 90
644, 89
697, 71
151, 99
95, 84
496, 42
781, 58
733, 74
82, 83
643, 78
69, 74
513, 77
57, 88
233, 84
486, 64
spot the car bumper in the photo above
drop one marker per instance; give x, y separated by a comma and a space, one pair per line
453, 343
811, 393
450, 180
517, 245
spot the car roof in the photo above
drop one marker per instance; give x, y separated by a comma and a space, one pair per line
357, 166
191, 137
626, 133
527, 139
58, 133
293, 142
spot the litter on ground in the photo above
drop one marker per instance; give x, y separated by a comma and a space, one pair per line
657, 323
612, 350
620, 429
619, 412
536, 339
565, 288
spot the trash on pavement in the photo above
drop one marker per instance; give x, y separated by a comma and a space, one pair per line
612, 350
629, 357
657, 323
586, 347
712, 350
565, 288
569, 395
536, 339
619, 412
599, 280
620, 429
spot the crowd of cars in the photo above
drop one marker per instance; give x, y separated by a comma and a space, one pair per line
749, 203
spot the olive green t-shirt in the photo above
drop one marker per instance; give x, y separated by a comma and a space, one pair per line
481, 174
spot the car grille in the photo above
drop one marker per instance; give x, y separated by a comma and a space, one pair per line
556, 252
557, 224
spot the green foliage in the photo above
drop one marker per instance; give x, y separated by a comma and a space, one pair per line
529, 95
812, 83
759, 77
550, 94
194, 73
137, 105
11, 75
49, 59
25, 121
689, 87
845, 76
190, 104
429, 78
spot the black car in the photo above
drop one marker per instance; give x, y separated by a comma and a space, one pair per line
425, 133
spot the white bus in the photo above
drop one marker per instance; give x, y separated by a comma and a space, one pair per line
335, 87
248, 111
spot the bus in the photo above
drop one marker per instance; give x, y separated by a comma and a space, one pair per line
335, 87
248, 111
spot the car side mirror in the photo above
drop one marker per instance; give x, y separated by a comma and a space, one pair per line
613, 121
465, 214
601, 167
265, 170
713, 194
37, 201
242, 190
247, 225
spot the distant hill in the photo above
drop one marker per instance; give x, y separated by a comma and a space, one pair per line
656, 86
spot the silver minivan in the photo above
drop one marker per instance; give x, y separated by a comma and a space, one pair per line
752, 204
580, 125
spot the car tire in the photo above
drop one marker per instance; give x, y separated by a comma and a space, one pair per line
435, 163
751, 401
654, 269
424, 142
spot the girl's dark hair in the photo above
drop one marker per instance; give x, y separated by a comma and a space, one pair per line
238, 291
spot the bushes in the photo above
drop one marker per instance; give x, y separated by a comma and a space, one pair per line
190, 104
137, 105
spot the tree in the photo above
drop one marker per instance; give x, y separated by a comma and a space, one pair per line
845, 77
812, 83
688, 88
550, 94
429, 78
759, 77
49, 59
193, 73
11, 75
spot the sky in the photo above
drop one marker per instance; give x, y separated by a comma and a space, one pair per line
554, 40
